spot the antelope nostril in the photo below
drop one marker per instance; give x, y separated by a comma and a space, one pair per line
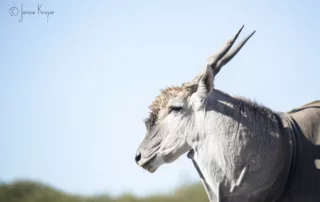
138, 157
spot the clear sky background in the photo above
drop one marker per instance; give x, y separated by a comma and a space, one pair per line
75, 90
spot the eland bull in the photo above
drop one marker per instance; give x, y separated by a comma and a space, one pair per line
243, 151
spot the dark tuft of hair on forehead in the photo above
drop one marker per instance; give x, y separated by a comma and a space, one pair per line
160, 102
151, 120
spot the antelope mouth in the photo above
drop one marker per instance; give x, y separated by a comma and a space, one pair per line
147, 164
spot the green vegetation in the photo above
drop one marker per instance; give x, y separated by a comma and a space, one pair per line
27, 191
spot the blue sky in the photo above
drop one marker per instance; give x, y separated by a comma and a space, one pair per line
74, 90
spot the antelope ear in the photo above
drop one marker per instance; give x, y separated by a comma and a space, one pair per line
205, 84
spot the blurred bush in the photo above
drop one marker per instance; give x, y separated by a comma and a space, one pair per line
28, 191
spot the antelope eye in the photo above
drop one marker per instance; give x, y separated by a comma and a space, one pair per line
175, 109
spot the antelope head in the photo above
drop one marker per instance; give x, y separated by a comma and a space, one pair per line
173, 117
